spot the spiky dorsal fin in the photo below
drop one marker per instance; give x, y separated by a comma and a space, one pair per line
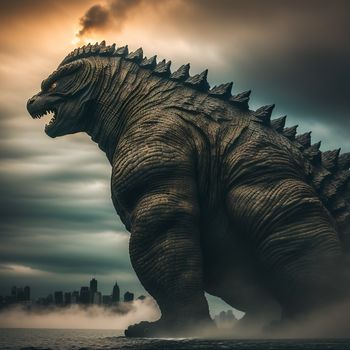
199, 81
87, 49
320, 176
107, 50
122, 51
264, 114
279, 123
241, 99
149, 62
313, 152
135, 56
162, 68
344, 161
290, 132
336, 186
330, 159
95, 48
223, 90
304, 139
182, 73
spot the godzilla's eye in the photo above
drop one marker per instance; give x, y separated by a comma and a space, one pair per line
53, 86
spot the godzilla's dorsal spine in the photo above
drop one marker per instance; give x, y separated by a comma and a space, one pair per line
198, 82
329, 171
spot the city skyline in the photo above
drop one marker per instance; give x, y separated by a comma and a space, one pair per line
84, 295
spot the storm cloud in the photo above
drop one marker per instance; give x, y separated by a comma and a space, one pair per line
57, 222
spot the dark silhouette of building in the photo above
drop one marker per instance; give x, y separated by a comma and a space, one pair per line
49, 299
93, 289
226, 319
93, 285
107, 300
26, 293
20, 294
75, 297
84, 297
67, 298
97, 298
128, 296
14, 292
59, 298
116, 293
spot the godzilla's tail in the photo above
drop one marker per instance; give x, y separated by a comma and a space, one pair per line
328, 171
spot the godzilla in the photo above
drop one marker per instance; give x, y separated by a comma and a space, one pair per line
217, 198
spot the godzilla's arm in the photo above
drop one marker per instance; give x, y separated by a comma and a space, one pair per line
158, 192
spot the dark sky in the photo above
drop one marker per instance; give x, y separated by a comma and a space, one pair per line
58, 227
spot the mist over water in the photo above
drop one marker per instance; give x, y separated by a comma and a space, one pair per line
330, 322
78, 317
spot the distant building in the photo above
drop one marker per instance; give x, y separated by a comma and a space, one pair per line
107, 300
222, 316
116, 293
230, 317
128, 296
49, 299
14, 293
26, 293
97, 298
59, 298
84, 297
20, 294
226, 319
93, 289
75, 297
67, 298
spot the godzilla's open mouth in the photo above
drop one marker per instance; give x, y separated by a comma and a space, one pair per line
50, 112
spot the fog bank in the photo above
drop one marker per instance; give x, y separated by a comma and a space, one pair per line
77, 317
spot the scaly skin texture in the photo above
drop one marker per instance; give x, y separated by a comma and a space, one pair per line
217, 198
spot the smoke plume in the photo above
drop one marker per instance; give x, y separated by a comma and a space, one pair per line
96, 17
114, 13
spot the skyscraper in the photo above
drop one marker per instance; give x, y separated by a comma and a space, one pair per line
26, 293
97, 299
75, 297
59, 298
93, 289
14, 293
116, 293
84, 296
67, 298
93, 285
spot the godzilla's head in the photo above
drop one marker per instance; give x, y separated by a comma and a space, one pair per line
66, 95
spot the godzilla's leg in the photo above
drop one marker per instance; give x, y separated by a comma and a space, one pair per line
294, 240
166, 255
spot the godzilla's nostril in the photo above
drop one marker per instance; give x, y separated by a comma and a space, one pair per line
31, 100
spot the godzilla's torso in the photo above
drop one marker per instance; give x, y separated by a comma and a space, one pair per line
223, 155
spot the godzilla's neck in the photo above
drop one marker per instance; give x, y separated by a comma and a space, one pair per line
123, 90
